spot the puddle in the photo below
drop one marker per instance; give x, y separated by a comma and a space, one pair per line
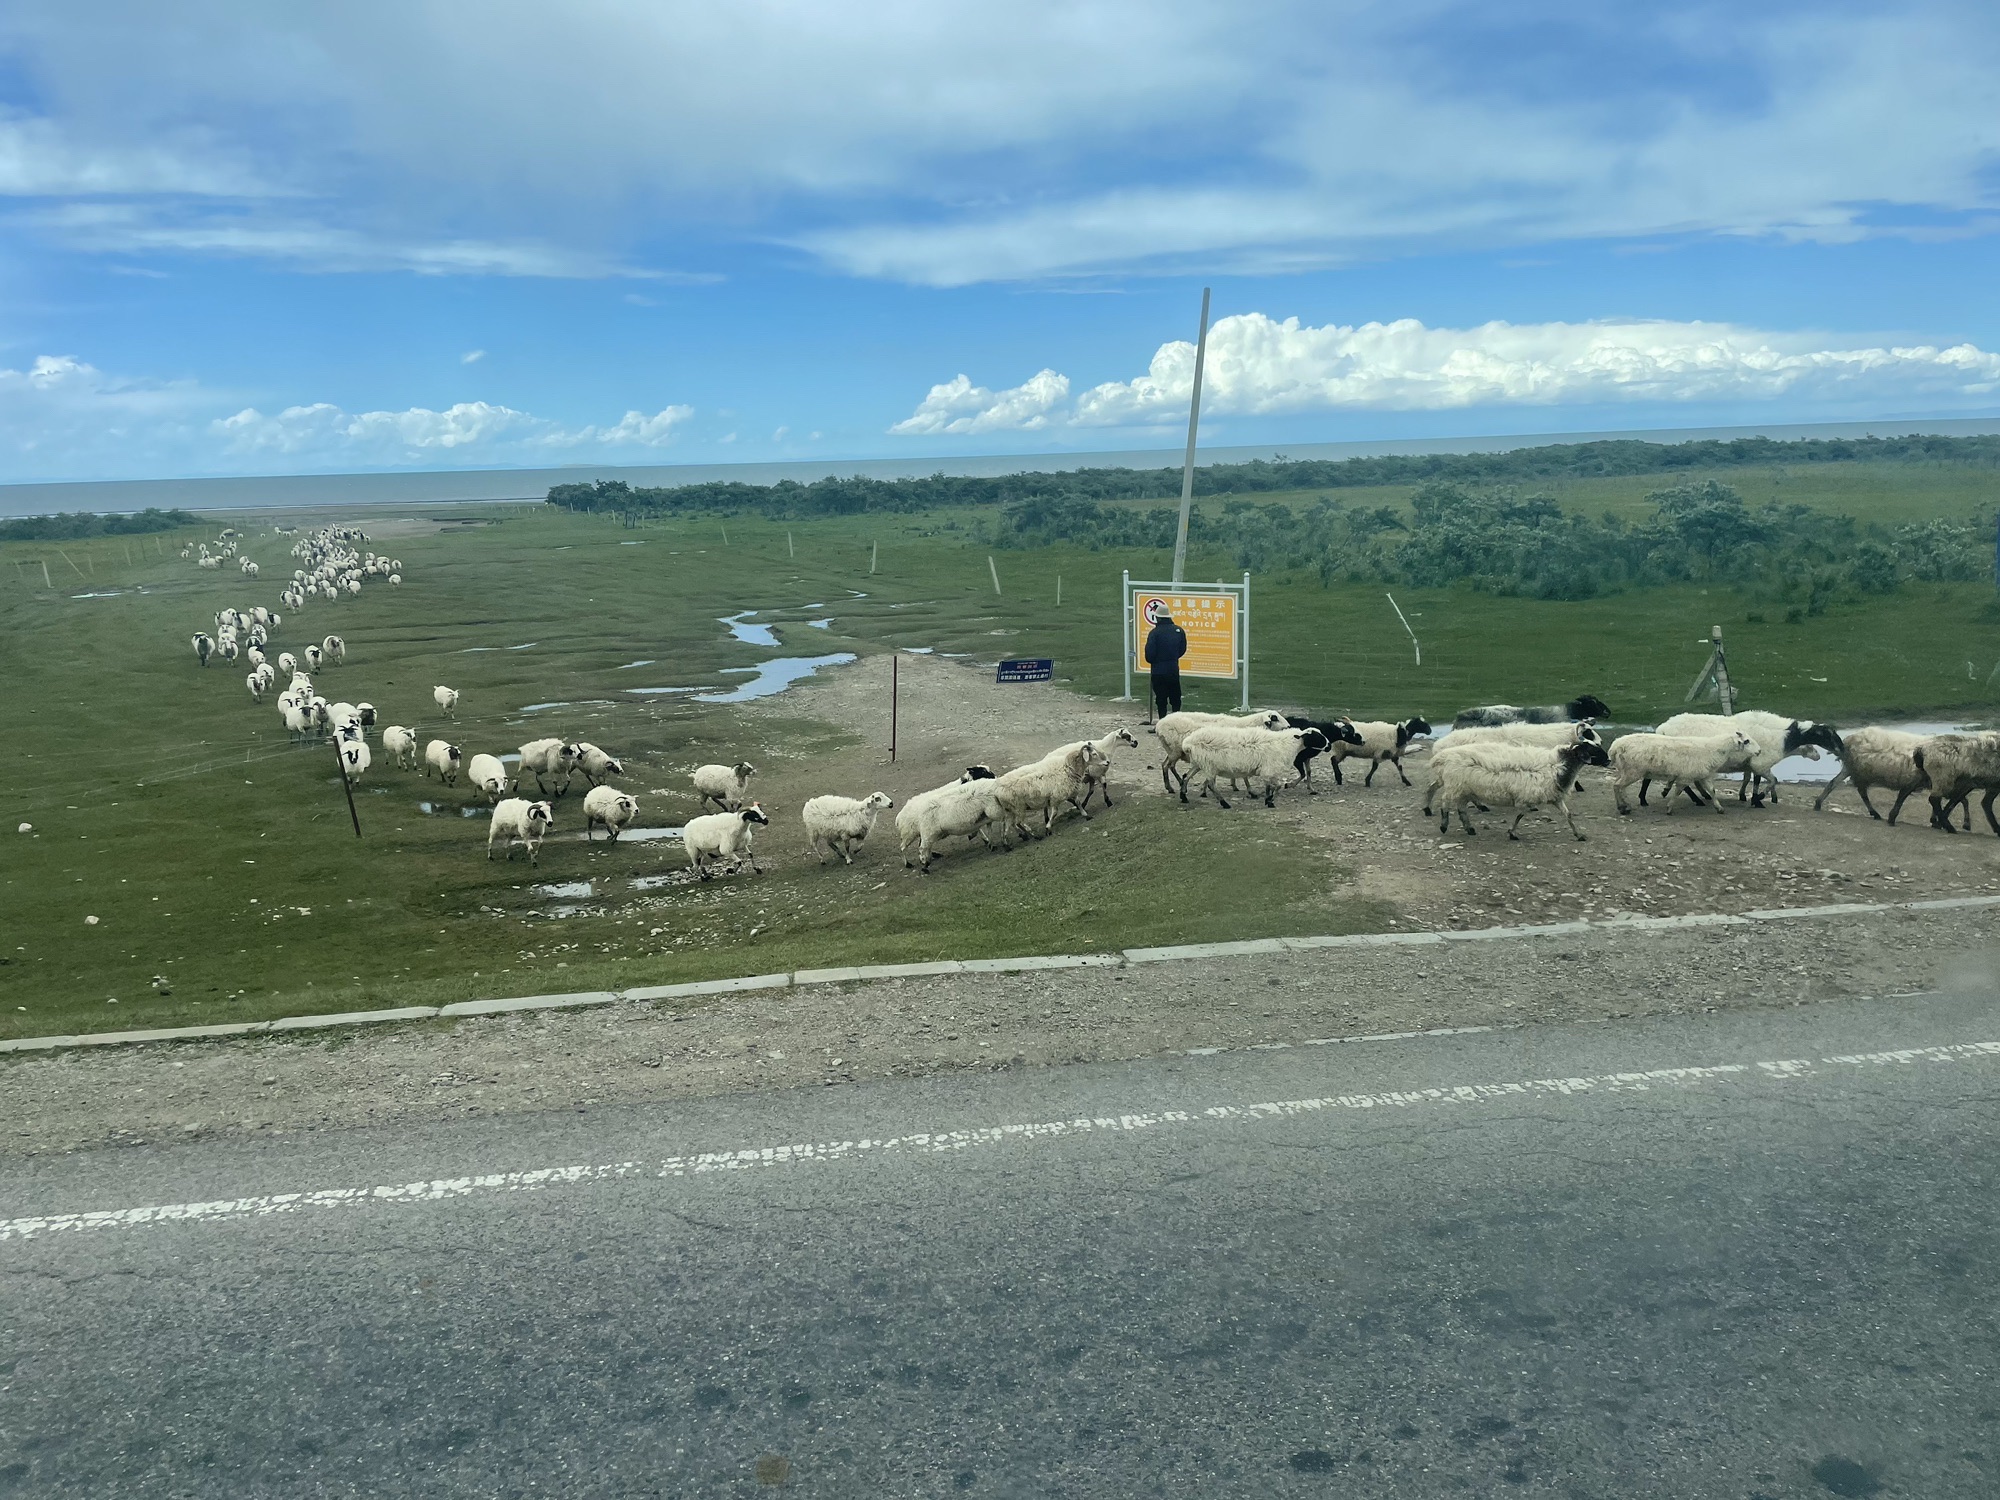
660, 692
857, 593
645, 663
775, 675
631, 544
654, 882
437, 810
568, 888
917, 650
535, 708
820, 624
515, 756
524, 646
100, 594
753, 635
647, 835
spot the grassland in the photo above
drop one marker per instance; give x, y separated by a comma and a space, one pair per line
169, 806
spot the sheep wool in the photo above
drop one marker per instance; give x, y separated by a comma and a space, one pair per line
610, 807
1524, 778
488, 774
842, 824
723, 836
1678, 761
519, 821
1884, 758
723, 785
443, 758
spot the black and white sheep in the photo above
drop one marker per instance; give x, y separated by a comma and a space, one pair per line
354, 759
487, 773
723, 835
1677, 760
1583, 706
519, 821
723, 785
443, 758
597, 765
1776, 737
1525, 778
1377, 740
550, 757
842, 824
611, 807
1874, 757
401, 744
1251, 753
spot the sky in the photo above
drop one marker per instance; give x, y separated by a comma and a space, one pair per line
240, 238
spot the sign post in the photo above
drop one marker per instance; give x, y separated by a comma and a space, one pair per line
1715, 674
1194, 421
1215, 616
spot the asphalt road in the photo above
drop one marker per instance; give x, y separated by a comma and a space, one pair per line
1763, 1280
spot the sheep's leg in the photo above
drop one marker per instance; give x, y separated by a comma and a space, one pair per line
1986, 806
1465, 822
1397, 762
1901, 798
1514, 828
1644, 786
1373, 766
1270, 794
1220, 802
1941, 815
1713, 800
1570, 817
1338, 780
1618, 797
1838, 777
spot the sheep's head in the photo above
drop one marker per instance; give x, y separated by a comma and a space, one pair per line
1804, 735
878, 801
1272, 719
541, 817
1415, 725
1127, 737
1313, 741
744, 770
754, 813
977, 773
1586, 734
628, 805
1588, 706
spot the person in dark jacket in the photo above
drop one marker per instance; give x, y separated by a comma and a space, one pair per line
1166, 644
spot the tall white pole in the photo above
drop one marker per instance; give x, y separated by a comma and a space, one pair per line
1194, 421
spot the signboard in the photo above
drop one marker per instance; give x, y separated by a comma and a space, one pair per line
1026, 669
1207, 615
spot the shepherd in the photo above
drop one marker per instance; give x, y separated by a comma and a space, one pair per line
1166, 644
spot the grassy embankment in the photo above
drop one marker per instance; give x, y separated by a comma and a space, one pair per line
169, 806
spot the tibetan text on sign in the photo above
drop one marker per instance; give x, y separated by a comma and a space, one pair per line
1208, 617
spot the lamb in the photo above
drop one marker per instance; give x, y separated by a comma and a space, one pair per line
965, 807
842, 823
1174, 729
445, 698
333, 648
1252, 752
1883, 758
354, 758
597, 765
1057, 777
1525, 778
723, 785
442, 758
204, 647
227, 649
1378, 740
549, 757
1677, 760
1776, 737
401, 744
489, 775
723, 835
522, 822
609, 806
1957, 765
1583, 706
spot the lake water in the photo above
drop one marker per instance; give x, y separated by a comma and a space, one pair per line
775, 675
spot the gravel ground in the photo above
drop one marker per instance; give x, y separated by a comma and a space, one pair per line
833, 1034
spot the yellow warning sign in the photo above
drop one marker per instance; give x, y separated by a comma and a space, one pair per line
1209, 618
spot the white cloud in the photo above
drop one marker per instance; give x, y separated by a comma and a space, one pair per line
327, 432
61, 409
472, 356
1258, 366
39, 159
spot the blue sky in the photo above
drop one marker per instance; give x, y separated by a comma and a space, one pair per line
240, 238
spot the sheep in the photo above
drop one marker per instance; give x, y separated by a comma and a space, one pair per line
1583, 706
609, 806
723, 785
841, 823
204, 646
1057, 777
723, 835
522, 822
1957, 765
313, 657
354, 758
298, 721
965, 807
1525, 778
1094, 784
255, 682
367, 711
442, 758
909, 817
1776, 737
401, 744
1174, 729
249, 567
1251, 752
345, 719
489, 775
255, 657
445, 698
1545, 736
549, 757
1339, 731
396, 579
227, 648
1378, 740
333, 648
1874, 757
1677, 760
597, 765
288, 663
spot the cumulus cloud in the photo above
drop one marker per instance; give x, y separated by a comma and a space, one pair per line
1258, 366
326, 431
61, 409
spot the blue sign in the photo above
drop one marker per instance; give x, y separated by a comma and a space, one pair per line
1026, 669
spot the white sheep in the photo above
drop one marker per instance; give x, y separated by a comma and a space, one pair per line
204, 646
1380, 740
1174, 729
842, 823
1250, 753
1876, 757
396, 579
255, 682
354, 758
522, 822
908, 818
445, 698
609, 806
1522, 777
1957, 765
489, 775
723, 785
401, 743
1106, 746
965, 807
288, 664
597, 765
442, 758
1061, 776
549, 757
334, 649
1776, 737
723, 835
1677, 760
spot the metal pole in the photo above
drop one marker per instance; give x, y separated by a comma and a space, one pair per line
1722, 688
874, 551
347, 786
994, 571
895, 698
1243, 629
1194, 421
1125, 620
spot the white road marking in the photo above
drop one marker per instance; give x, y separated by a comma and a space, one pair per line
437, 1189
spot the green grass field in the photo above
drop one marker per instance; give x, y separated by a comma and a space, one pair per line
169, 806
